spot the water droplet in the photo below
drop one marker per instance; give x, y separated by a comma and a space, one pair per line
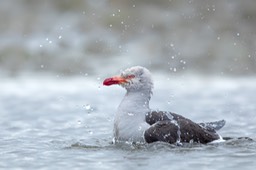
130, 114
113, 15
173, 57
79, 122
218, 38
40, 45
133, 6
234, 43
110, 25
238, 34
87, 107
42, 66
50, 42
139, 128
174, 69
172, 45
60, 37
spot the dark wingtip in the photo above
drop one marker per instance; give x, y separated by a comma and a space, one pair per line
217, 125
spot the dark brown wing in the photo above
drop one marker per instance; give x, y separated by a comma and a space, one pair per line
173, 128
155, 116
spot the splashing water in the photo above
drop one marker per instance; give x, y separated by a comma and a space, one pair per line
178, 141
169, 116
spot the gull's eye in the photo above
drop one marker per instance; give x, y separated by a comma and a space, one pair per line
130, 76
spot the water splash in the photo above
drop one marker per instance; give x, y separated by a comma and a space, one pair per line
88, 108
178, 141
170, 116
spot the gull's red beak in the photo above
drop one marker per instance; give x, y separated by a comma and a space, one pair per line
114, 80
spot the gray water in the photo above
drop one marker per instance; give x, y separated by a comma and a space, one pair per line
58, 122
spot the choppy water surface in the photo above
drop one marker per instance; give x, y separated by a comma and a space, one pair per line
53, 123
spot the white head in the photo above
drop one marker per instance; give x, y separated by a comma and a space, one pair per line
133, 79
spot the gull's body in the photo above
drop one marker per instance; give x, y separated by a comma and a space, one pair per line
136, 122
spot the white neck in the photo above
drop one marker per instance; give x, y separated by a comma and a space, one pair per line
130, 118
135, 100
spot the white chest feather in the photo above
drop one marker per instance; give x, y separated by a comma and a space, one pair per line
130, 122
130, 126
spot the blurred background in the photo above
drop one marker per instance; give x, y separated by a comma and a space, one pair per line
88, 37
